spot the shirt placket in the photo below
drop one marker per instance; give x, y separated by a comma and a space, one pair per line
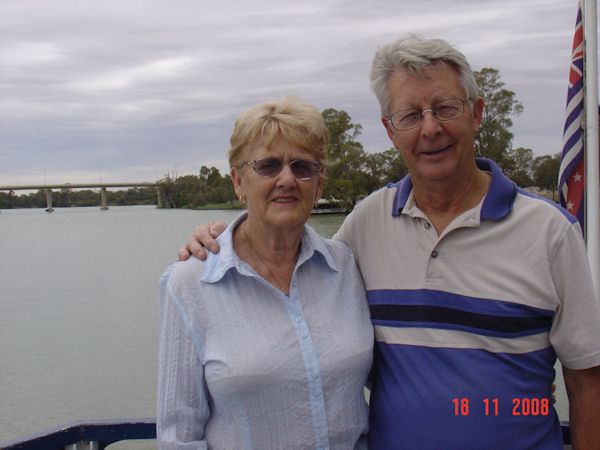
311, 364
430, 243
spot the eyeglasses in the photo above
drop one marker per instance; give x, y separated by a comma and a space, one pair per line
269, 167
407, 119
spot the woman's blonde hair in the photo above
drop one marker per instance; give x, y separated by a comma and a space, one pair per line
297, 122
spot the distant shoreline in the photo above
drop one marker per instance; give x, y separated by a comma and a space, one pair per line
211, 207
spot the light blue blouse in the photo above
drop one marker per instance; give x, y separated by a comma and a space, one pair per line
243, 366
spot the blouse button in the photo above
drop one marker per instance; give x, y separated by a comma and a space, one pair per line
434, 254
427, 225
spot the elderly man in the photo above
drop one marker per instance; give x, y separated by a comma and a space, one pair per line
474, 285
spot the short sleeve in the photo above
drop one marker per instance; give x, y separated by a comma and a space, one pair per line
575, 333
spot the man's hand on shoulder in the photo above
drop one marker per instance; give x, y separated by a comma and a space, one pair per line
202, 239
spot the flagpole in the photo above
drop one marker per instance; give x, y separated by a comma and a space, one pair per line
592, 157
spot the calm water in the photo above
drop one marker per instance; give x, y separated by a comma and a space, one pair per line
79, 311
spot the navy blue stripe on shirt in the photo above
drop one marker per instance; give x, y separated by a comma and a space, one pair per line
440, 314
436, 309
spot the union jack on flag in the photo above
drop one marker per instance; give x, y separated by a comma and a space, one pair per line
571, 176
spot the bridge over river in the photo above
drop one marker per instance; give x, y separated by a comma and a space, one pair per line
102, 186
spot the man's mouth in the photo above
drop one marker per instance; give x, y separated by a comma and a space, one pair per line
435, 152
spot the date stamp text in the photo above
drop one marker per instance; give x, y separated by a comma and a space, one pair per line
520, 407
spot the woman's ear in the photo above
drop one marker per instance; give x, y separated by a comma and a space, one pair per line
236, 178
319, 190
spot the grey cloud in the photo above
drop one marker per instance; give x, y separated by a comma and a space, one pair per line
135, 89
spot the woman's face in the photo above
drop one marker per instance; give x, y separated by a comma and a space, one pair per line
283, 202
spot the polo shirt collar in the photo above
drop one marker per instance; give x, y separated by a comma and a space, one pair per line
498, 201
218, 264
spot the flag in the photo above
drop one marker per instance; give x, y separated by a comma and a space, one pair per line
571, 175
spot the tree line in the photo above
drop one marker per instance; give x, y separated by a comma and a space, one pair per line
209, 187
352, 172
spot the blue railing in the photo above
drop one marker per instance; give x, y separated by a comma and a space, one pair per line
102, 433
99, 434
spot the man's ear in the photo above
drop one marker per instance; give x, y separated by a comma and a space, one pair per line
388, 127
478, 105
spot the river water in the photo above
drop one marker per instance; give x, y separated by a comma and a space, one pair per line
79, 312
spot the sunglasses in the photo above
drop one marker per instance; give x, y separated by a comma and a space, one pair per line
269, 167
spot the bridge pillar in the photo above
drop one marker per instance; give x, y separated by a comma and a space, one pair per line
49, 207
103, 205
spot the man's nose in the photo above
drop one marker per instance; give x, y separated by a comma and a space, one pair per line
429, 122
424, 111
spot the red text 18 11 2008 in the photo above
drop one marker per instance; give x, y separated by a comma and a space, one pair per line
490, 407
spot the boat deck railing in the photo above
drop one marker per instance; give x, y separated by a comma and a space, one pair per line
97, 435
86, 435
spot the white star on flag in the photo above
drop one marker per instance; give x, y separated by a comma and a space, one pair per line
577, 177
570, 206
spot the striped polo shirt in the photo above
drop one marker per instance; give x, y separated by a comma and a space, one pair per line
468, 324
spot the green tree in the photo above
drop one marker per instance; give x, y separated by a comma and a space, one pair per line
222, 191
386, 167
348, 178
342, 132
147, 195
215, 188
7, 200
32, 200
192, 191
519, 166
85, 197
494, 139
168, 190
545, 172
188, 191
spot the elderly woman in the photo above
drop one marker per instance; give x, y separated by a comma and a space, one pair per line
268, 343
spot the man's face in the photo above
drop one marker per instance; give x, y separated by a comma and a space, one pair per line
434, 150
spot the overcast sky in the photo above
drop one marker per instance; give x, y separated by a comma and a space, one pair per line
120, 90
